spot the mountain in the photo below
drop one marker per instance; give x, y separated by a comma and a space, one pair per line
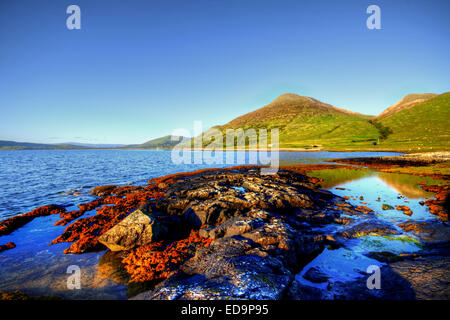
305, 122
407, 102
13, 145
423, 126
95, 145
418, 122
159, 143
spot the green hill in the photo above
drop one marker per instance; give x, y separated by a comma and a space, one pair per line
418, 122
424, 126
307, 123
407, 102
158, 143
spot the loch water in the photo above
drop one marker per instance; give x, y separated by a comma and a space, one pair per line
29, 179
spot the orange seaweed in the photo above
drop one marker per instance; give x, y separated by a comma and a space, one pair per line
161, 259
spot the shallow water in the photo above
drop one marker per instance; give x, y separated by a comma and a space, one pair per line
39, 269
376, 188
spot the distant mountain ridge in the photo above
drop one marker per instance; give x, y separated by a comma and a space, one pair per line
14, 145
165, 142
96, 145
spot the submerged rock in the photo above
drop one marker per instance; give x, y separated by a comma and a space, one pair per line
371, 226
406, 210
103, 190
429, 232
110, 267
315, 275
427, 275
9, 225
7, 246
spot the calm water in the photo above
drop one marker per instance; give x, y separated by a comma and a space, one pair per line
29, 179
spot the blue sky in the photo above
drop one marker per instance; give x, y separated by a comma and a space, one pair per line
139, 69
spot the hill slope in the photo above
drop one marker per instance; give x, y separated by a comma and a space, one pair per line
305, 122
162, 142
407, 102
424, 126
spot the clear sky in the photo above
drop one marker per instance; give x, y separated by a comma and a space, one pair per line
139, 69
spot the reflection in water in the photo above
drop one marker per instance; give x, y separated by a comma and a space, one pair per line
376, 191
404, 184
335, 177
407, 184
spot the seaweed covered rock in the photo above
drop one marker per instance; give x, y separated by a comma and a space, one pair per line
7, 246
9, 225
103, 190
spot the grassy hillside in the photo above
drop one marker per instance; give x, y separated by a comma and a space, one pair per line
162, 142
305, 122
406, 102
418, 122
423, 127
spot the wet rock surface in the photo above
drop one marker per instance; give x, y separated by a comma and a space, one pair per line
7, 246
427, 274
264, 242
260, 228
236, 234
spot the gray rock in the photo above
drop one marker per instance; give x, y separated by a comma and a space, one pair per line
315, 275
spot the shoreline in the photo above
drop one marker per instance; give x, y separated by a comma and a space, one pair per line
199, 188
403, 151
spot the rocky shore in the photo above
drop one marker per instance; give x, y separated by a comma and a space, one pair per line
236, 234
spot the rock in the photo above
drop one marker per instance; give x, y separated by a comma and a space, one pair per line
406, 210
384, 256
387, 207
363, 209
234, 226
393, 287
225, 271
7, 246
427, 276
103, 190
21, 296
11, 224
429, 232
110, 267
261, 234
315, 275
137, 229
373, 226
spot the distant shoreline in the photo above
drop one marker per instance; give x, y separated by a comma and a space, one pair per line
237, 149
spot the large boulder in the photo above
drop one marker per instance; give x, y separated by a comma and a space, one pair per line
138, 229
